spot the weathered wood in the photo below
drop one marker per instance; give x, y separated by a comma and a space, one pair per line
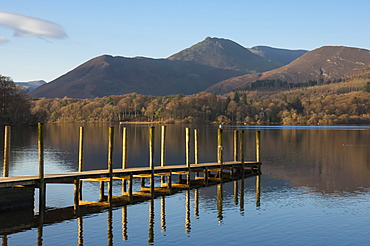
241, 146
6, 151
42, 184
124, 147
187, 146
80, 161
258, 146
151, 147
163, 146
196, 146
219, 146
236, 143
110, 163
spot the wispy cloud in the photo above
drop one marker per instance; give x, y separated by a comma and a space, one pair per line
27, 26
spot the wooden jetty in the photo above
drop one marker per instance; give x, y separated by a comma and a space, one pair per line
196, 175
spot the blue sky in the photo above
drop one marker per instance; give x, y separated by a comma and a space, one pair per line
43, 39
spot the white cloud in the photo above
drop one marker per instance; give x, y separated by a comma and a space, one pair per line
3, 40
27, 26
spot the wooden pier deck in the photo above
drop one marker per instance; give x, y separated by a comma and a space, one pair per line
70, 177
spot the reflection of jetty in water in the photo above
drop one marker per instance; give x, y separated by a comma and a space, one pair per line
161, 184
26, 220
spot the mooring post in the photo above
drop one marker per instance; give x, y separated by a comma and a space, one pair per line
6, 151
220, 152
110, 163
163, 150
242, 150
196, 146
42, 186
151, 159
80, 160
220, 147
196, 150
163, 146
187, 153
124, 156
258, 146
236, 143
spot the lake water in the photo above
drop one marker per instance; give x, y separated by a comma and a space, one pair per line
314, 190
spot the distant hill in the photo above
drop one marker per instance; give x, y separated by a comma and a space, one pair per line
278, 56
107, 75
31, 85
322, 64
224, 53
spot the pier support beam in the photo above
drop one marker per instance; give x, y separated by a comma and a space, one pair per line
6, 151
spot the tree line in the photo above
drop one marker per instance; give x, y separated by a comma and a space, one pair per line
341, 103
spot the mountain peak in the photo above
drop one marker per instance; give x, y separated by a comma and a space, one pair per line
224, 53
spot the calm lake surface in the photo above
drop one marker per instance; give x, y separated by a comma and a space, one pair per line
314, 188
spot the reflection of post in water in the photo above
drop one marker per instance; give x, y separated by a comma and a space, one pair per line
110, 226
163, 213
236, 200
219, 202
258, 190
4, 240
124, 223
39, 234
80, 231
187, 214
242, 196
151, 221
196, 203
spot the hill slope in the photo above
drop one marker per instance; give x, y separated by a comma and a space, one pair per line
29, 86
224, 53
108, 75
325, 63
278, 56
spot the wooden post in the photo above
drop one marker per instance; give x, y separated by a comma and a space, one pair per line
124, 148
236, 142
80, 161
81, 150
110, 163
196, 150
196, 147
151, 147
163, 151
187, 150
101, 194
258, 146
163, 146
42, 186
6, 151
187, 146
124, 156
241, 145
151, 159
220, 147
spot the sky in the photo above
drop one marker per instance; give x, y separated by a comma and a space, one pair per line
43, 39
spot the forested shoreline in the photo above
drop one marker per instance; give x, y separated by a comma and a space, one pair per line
345, 102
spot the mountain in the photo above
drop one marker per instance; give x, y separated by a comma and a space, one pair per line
278, 56
107, 75
322, 64
31, 85
224, 53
